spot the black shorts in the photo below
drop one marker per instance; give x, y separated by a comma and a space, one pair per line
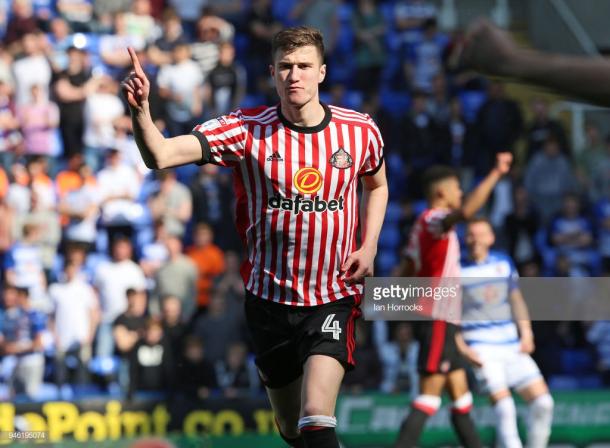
285, 336
438, 352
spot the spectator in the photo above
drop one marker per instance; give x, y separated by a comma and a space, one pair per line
600, 179
419, 148
439, 104
210, 262
370, 55
70, 179
177, 277
599, 336
262, 26
160, 52
173, 327
424, 57
105, 12
237, 374
189, 12
119, 187
590, 157
154, 254
21, 22
46, 219
171, 203
112, 46
80, 207
40, 182
367, 374
31, 69
548, 176
112, 280
320, 14
72, 86
75, 319
602, 215
39, 119
499, 123
21, 342
127, 330
78, 13
541, 127
230, 284
410, 16
455, 138
139, 22
221, 324
7, 216
10, 137
211, 32
399, 361
25, 269
197, 376
226, 83
151, 362
213, 203
102, 108
60, 40
571, 233
181, 86
521, 226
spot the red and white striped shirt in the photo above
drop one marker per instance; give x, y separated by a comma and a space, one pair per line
297, 203
436, 253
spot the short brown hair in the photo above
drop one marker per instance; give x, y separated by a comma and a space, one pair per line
289, 39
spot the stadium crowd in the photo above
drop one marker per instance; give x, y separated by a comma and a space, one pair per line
119, 280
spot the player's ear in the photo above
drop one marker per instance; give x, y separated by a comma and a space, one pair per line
272, 70
322, 74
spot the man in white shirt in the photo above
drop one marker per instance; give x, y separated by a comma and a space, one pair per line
75, 321
32, 69
112, 279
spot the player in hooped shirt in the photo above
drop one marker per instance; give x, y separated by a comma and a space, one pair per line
433, 251
296, 171
496, 328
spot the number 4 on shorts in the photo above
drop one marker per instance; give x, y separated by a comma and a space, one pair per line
330, 326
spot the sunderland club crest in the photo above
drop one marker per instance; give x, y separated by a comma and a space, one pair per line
341, 159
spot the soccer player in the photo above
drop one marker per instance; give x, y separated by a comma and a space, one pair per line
433, 251
296, 170
496, 328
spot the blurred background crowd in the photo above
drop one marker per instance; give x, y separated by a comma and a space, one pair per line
118, 280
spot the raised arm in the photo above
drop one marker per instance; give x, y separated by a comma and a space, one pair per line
493, 51
157, 151
477, 198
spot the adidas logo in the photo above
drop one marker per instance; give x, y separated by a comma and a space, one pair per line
275, 157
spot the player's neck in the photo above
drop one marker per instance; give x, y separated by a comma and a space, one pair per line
307, 116
480, 257
439, 203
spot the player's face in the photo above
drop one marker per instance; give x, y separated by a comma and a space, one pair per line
479, 238
297, 75
452, 192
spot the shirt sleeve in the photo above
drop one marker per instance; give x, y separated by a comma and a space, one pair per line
223, 140
373, 158
513, 281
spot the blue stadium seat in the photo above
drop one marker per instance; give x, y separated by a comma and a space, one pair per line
471, 101
252, 101
563, 382
104, 365
419, 206
390, 237
393, 213
592, 381
396, 103
385, 261
577, 361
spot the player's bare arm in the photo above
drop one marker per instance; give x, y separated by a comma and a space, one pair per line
522, 318
157, 151
493, 51
467, 352
481, 193
359, 264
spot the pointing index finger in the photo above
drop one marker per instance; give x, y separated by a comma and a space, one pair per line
135, 61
